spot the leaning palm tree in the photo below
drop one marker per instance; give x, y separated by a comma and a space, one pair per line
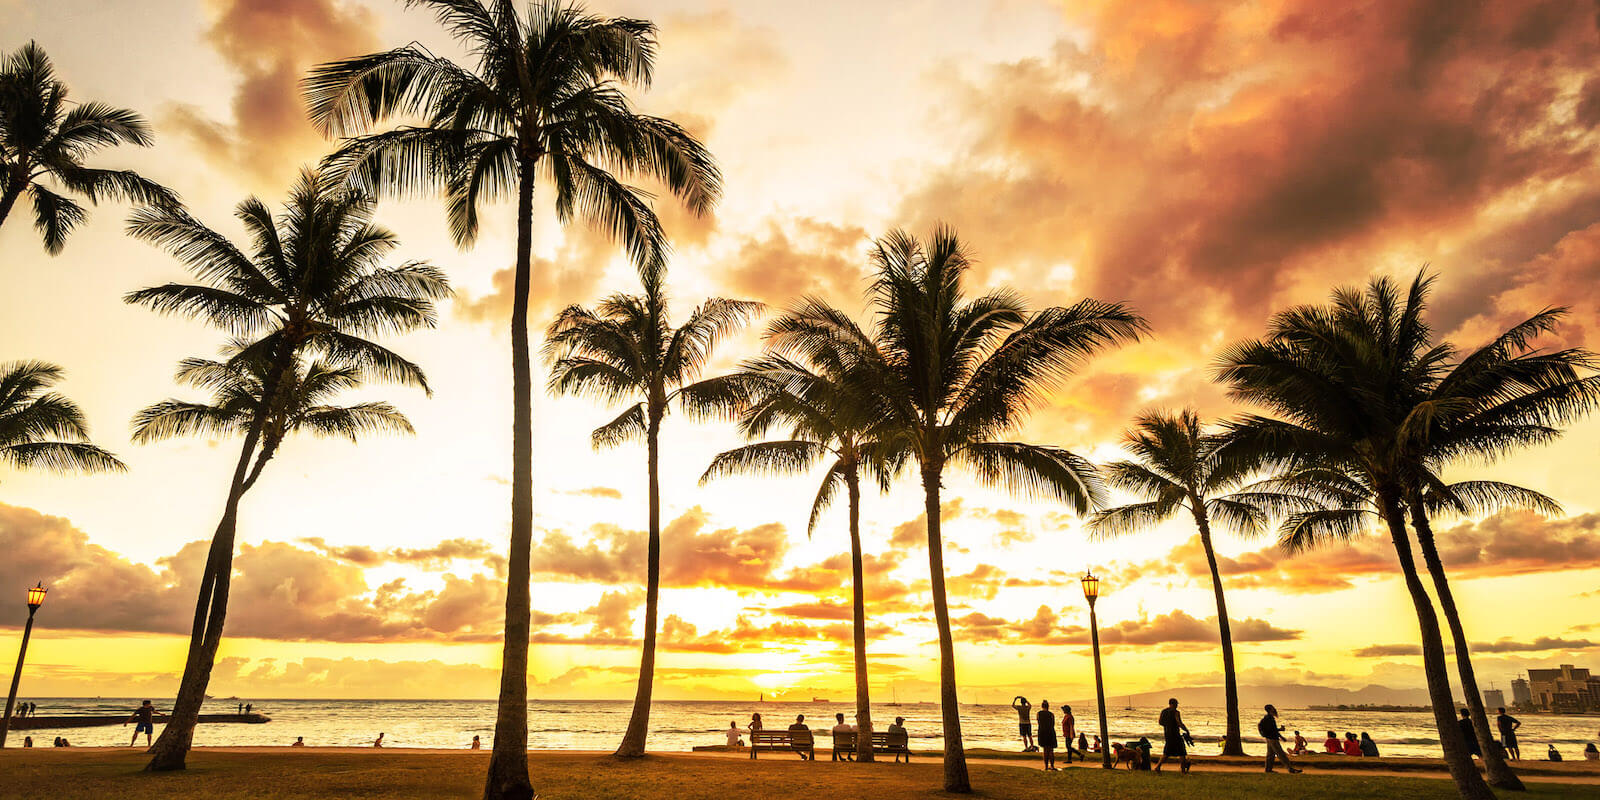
545, 101
626, 350
310, 284
949, 375
237, 397
43, 136
1346, 384
40, 429
824, 422
1180, 467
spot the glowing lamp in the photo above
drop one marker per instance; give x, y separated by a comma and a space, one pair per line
1091, 586
36, 596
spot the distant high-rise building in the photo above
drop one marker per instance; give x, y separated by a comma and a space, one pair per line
1567, 688
1521, 693
1493, 699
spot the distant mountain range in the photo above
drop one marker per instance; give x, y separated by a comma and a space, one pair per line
1289, 695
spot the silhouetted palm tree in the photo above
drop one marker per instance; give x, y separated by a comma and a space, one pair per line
236, 388
545, 101
825, 423
42, 135
40, 429
1351, 384
950, 374
626, 350
1178, 466
312, 285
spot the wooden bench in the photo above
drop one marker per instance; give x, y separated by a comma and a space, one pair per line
881, 743
800, 741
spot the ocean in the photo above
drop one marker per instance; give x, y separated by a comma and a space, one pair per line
678, 725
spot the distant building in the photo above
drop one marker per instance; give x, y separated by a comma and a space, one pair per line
1493, 699
1521, 693
1567, 688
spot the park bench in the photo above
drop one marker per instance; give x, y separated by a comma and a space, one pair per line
797, 741
881, 743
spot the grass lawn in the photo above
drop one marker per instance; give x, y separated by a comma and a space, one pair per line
115, 775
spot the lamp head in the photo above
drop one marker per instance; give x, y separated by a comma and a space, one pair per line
1091, 586
36, 596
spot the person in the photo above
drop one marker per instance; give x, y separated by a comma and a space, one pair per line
477, 743
27, 741
1552, 754
61, 741
1369, 748
146, 716
840, 726
1024, 722
378, 742
1141, 760
1096, 747
800, 725
1590, 752
1069, 732
755, 723
1331, 744
33, 709
898, 730
1470, 733
1083, 745
1172, 731
241, 708
248, 708
1047, 735
1508, 726
733, 735
299, 741
1300, 748
1272, 732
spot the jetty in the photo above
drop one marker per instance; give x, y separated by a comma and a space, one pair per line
95, 720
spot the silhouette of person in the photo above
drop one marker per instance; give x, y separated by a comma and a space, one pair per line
1024, 721
145, 714
1172, 732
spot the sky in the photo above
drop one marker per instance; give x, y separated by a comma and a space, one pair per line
1208, 163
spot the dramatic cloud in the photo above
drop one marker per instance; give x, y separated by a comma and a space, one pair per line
431, 557
1173, 630
800, 257
1539, 644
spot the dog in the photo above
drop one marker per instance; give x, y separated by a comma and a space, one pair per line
1123, 755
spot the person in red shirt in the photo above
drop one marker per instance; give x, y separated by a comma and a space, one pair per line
1352, 745
1331, 744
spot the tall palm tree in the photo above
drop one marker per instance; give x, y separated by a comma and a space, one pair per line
949, 375
40, 429
237, 397
310, 284
545, 101
626, 350
42, 136
825, 422
1345, 382
1178, 466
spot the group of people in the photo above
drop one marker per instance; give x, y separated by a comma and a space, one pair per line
896, 728
25, 709
245, 708
61, 741
1076, 742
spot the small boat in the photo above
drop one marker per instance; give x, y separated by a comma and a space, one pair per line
820, 700
1129, 701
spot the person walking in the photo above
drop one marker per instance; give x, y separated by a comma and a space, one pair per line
1508, 726
1272, 732
1172, 731
1024, 722
1069, 732
1471, 734
145, 714
1047, 735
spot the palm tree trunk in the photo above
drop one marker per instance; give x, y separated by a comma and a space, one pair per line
639, 724
171, 749
508, 764
1500, 774
858, 596
955, 757
1468, 782
1232, 743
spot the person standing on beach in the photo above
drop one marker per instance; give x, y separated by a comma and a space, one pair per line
146, 716
1272, 732
1173, 730
1508, 726
1024, 721
248, 708
1470, 733
1069, 732
1047, 735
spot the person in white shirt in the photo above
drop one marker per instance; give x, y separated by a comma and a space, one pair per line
733, 735
841, 727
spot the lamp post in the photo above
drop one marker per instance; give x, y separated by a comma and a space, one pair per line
35, 599
1091, 592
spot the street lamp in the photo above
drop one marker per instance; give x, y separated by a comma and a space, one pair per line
1091, 592
35, 599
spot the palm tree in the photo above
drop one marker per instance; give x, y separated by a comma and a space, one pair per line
1345, 382
824, 421
237, 397
40, 429
949, 374
1177, 467
312, 286
626, 350
546, 100
42, 135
